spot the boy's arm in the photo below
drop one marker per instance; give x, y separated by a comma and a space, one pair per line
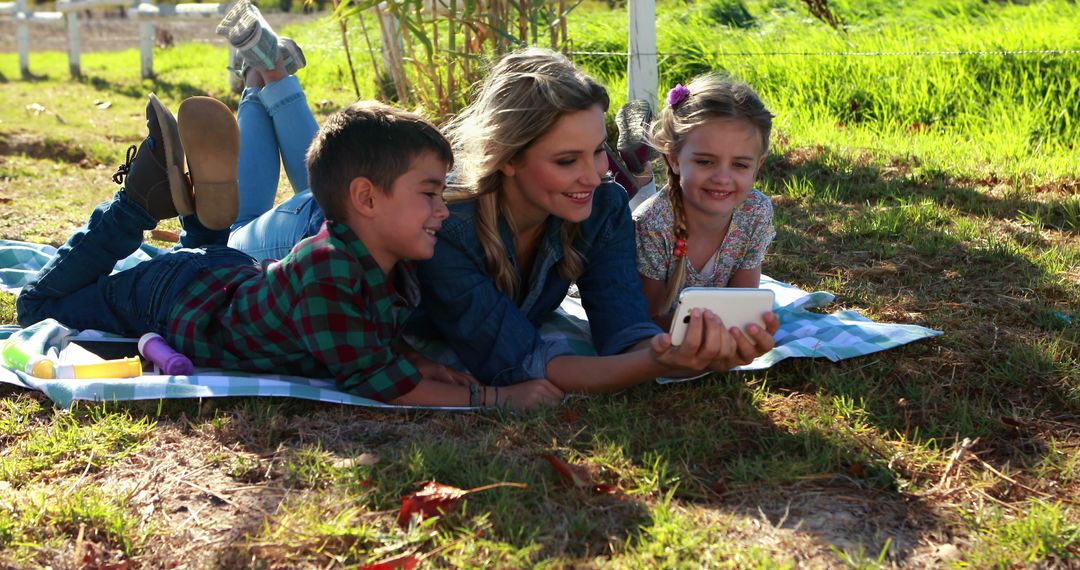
350, 343
431, 370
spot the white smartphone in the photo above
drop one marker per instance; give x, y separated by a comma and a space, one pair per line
736, 307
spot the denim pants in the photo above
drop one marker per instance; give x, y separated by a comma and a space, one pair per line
75, 287
276, 127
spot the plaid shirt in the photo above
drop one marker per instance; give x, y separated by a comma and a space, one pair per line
327, 309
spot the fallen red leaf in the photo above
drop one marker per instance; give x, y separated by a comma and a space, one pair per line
606, 489
404, 562
569, 474
1012, 422
432, 499
435, 499
856, 469
573, 475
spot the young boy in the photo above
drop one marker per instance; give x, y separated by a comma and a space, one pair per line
326, 309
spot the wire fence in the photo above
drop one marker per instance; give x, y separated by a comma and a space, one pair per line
1052, 52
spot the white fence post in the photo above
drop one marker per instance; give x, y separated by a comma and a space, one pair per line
641, 68
22, 38
146, 48
73, 44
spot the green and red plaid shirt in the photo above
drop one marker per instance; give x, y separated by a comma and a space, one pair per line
325, 310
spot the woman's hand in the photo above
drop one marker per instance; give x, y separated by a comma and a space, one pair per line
706, 341
745, 350
529, 395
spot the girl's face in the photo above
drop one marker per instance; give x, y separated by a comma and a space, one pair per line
557, 174
717, 166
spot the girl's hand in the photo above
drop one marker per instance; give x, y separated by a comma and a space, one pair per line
529, 395
745, 350
707, 341
431, 370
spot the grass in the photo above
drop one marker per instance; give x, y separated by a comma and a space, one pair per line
946, 196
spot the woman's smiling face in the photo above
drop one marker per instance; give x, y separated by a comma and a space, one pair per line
559, 171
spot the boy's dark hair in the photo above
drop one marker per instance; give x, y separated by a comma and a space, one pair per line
371, 140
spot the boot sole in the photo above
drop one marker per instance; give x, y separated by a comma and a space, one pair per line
211, 138
174, 158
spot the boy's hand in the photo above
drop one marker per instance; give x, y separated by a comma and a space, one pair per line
529, 395
707, 341
745, 350
431, 370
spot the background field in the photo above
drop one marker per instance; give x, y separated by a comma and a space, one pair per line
918, 172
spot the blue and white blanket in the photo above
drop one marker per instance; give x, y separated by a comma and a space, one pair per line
836, 336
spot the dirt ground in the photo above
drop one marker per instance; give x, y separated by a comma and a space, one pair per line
107, 32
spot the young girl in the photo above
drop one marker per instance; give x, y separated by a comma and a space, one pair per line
709, 227
534, 215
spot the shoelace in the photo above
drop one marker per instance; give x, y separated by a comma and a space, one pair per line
122, 172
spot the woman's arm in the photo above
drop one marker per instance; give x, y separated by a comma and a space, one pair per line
655, 292
706, 343
524, 396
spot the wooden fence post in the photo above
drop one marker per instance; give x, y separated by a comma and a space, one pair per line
641, 68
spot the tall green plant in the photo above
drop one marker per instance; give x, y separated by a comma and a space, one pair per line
431, 48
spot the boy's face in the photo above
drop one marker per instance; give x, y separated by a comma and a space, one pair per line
407, 218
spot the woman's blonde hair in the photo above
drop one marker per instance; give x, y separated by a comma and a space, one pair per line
710, 98
522, 97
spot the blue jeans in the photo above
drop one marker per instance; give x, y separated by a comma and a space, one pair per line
276, 127
75, 287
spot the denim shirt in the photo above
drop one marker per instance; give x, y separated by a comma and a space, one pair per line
496, 337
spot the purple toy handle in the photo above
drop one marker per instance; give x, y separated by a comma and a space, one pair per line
154, 348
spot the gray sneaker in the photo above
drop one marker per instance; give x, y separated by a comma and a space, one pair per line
634, 120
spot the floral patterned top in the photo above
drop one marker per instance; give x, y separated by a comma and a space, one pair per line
748, 237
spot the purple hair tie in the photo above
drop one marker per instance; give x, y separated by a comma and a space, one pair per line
677, 95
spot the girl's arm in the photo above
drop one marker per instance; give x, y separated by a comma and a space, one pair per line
749, 278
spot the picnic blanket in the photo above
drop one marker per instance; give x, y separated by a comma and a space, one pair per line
803, 333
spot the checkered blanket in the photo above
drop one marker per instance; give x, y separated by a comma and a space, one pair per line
802, 333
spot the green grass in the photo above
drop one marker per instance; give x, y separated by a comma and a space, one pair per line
946, 196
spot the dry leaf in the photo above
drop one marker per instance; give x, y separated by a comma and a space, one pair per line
404, 562
104, 105
569, 473
435, 499
574, 475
